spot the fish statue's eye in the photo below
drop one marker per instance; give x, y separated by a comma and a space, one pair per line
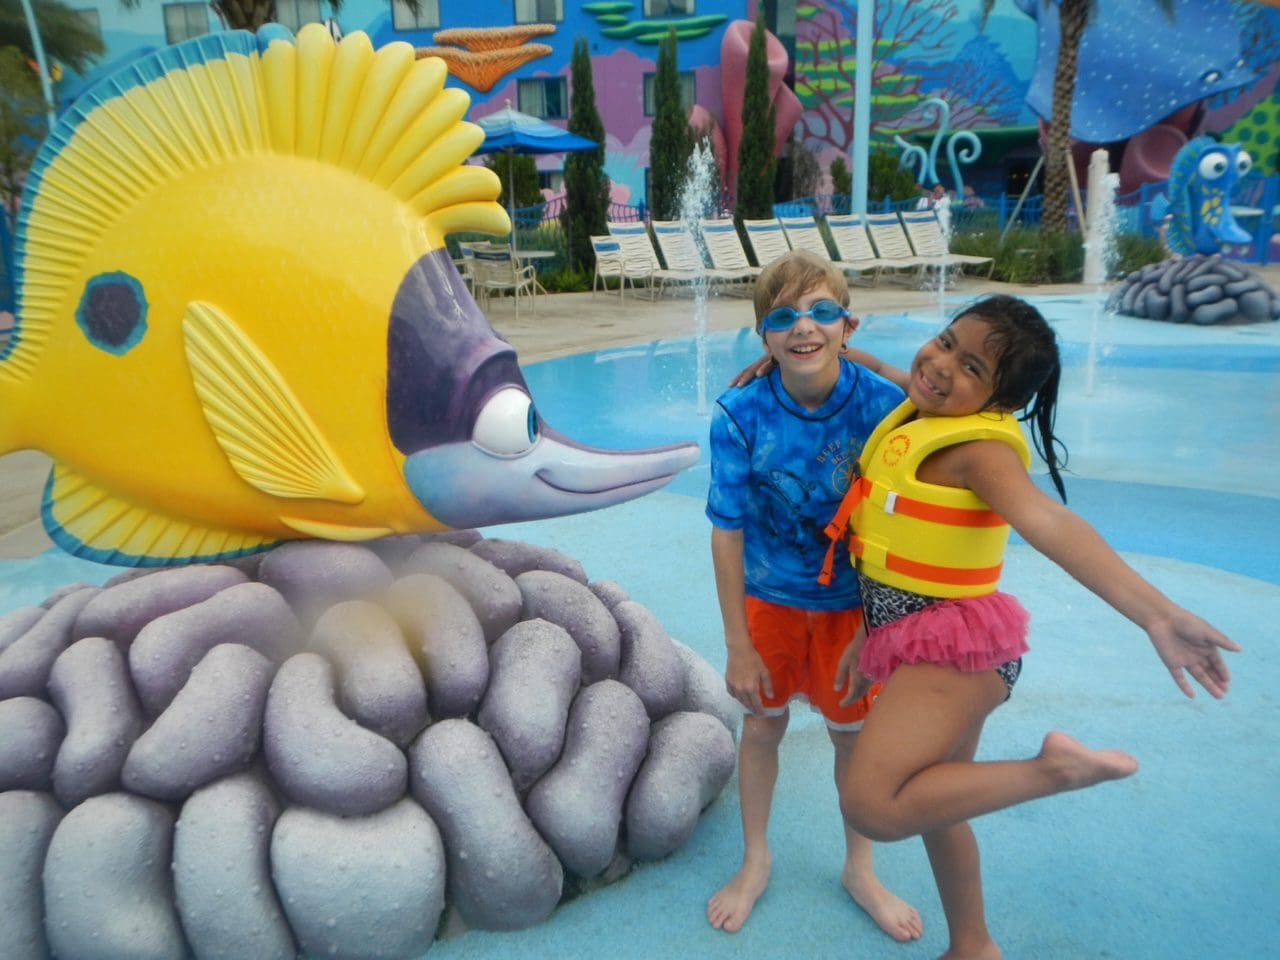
1213, 165
1244, 162
112, 312
1211, 76
507, 425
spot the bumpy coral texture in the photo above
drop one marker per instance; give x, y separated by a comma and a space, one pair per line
326, 749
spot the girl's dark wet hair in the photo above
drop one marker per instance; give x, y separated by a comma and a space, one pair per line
1028, 370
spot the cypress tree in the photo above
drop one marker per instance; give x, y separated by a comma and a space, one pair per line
586, 187
756, 163
671, 142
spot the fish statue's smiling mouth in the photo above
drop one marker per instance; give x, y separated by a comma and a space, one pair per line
463, 485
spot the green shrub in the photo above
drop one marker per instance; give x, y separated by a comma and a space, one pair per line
1133, 252
885, 178
1026, 256
566, 280
841, 178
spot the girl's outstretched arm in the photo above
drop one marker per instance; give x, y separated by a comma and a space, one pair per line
1184, 642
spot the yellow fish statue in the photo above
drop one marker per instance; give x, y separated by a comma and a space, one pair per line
238, 323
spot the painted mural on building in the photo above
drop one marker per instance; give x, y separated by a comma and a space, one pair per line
990, 74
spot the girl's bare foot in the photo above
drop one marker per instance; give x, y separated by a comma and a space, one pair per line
732, 904
892, 914
1076, 766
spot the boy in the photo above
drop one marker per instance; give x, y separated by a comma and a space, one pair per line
782, 448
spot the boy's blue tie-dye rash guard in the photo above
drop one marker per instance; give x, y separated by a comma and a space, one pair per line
779, 472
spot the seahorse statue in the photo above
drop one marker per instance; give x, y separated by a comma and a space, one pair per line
1199, 196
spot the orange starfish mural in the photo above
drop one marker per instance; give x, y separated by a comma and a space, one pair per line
481, 56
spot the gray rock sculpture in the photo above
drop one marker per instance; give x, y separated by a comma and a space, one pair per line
690, 760
517, 557
108, 886
27, 822
566, 602
501, 873
222, 872
1198, 289
492, 594
327, 750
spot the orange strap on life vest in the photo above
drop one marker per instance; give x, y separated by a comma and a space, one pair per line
839, 526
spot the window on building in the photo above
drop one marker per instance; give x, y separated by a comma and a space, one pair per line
427, 17
182, 21
665, 8
545, 97
90, 18
539, 11
295, 14
552, 180
688, 92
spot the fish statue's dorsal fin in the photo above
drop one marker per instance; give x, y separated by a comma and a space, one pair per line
234, 97
1182, 177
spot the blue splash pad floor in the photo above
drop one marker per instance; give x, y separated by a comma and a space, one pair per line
1175, 442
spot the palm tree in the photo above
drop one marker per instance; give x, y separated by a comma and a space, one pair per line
68, 38
1073, 17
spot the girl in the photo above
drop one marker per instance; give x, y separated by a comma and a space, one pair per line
943, 478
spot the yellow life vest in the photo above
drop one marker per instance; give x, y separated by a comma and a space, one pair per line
929, 539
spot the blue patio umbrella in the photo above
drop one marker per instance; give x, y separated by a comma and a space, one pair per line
509, 131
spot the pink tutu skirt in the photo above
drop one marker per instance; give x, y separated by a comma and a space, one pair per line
971, 634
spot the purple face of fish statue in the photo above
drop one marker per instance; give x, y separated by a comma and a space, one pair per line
1199, 199
1138, 64
238, 322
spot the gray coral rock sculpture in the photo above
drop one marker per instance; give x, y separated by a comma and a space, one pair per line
328, 749
1197, 289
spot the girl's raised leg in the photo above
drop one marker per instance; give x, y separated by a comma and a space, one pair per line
903, 782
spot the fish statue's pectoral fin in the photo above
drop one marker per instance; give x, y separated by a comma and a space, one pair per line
89, 522
265, 432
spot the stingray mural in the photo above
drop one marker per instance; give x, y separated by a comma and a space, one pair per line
1143, 77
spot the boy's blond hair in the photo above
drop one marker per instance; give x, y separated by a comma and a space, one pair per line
790, 276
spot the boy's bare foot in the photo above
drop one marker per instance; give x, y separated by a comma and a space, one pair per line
1077, 766
732, 904
894, 915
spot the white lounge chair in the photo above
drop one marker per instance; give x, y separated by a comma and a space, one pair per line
925, 233
610, 265
767, 239
724, 246
680, 251
637, 248
853, 245
891, 244
803, 234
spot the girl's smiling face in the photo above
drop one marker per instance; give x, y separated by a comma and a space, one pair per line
953, 375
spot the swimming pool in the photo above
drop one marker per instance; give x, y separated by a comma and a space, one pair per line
1174, 440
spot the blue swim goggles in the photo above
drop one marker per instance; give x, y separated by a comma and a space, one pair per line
782, 319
